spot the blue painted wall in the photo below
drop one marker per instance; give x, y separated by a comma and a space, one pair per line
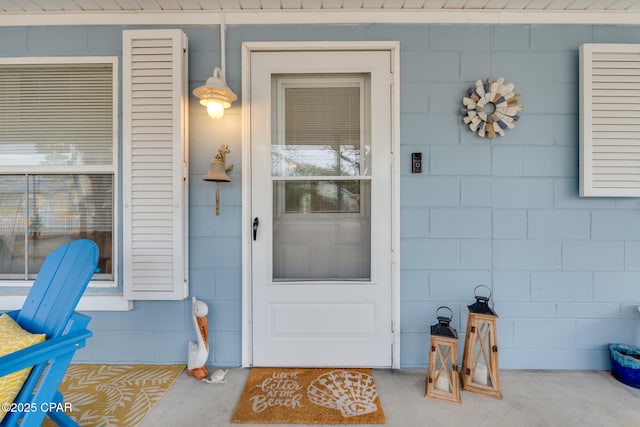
565, 271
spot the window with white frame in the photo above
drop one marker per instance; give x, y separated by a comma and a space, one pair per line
58, 168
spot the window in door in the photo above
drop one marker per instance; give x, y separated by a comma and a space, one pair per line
321, 177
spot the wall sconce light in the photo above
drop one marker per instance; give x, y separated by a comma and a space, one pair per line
480, 356
443, 381
215, 94
218, 173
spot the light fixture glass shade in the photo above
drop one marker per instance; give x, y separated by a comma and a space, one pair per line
215, 109
215, 94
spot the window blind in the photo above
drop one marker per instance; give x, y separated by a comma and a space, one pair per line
56, 114
322, 115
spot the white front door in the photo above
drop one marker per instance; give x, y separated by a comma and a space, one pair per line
321, 208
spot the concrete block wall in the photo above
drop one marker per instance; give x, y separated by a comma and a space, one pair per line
506, 213
564, 270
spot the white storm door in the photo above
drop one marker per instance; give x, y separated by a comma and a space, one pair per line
321, 207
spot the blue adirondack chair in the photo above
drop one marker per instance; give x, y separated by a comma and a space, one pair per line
49, 308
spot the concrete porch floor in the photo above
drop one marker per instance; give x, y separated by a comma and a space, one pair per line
531, 399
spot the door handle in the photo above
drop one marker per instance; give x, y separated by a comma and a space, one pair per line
256, 222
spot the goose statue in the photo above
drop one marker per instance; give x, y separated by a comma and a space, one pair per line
199, 351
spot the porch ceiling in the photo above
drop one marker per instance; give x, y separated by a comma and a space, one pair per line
96, 12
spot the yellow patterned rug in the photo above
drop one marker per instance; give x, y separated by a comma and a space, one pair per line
115, 395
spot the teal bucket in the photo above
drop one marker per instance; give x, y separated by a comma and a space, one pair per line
625, 364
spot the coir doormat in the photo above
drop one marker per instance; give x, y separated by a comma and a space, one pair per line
309, 396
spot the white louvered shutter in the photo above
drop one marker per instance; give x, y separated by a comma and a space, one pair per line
610, 120
155, 95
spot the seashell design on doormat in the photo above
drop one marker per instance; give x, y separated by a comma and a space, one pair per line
351, 392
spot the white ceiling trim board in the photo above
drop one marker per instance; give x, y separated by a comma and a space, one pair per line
340, 16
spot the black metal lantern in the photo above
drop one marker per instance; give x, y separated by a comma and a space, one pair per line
442, 374
480, 356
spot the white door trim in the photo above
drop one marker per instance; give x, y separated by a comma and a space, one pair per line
249, 47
